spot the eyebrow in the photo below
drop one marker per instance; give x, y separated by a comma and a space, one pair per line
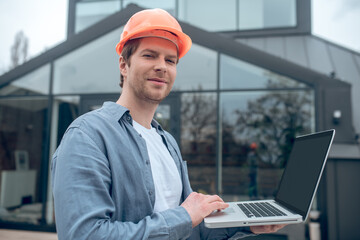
156, 53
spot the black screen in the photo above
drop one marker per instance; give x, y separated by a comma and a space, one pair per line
303, 169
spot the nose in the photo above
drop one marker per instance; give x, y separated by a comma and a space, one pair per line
160, 65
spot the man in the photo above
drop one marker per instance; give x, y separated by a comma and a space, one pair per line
117, 174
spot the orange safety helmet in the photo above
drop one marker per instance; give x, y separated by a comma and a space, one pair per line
155, 23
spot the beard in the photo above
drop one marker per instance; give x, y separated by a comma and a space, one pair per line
152, 95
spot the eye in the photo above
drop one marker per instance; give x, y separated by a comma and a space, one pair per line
148, 55
170, 61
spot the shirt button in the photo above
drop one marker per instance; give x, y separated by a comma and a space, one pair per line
150, 193
128, 118
147, 162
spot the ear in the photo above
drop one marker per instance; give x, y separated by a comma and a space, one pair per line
123, 66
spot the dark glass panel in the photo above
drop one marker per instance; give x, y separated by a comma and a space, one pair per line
198, 139
257, 132
22, 138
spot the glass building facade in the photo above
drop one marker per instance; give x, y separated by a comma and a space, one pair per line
230, 15
233, 122
236, 105
24, 113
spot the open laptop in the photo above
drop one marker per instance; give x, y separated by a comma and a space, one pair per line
296, 190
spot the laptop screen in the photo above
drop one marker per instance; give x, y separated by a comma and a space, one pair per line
303, 171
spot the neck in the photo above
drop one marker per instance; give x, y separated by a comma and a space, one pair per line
141, 111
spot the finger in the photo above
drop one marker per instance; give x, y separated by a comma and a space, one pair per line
280, 226
268, 228
218, 205
214, 198
275, 228
262, 229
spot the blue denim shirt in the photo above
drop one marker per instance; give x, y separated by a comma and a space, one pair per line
103, 186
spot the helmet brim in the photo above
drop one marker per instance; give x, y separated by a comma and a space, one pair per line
184, 41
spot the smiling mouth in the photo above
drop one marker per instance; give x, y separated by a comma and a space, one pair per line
157, 80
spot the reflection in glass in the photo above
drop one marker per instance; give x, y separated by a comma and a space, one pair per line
68, 111
92, 68
162, 116
89, 12
64, 110
235, 73
257, 14
33, 83
198, 139
258, 130
197, 70
211, 15
22, 137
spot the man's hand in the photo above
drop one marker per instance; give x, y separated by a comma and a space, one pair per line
266, 228
199, 206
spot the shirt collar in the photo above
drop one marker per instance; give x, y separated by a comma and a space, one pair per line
119, 111
157, 126
115, 109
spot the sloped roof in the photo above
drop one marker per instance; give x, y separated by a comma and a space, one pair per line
318, 55
213, 41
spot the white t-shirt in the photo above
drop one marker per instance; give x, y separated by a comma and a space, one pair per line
168, 185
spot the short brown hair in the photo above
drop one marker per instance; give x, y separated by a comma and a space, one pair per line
129, 48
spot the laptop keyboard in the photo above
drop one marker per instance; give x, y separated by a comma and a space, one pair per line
260, 209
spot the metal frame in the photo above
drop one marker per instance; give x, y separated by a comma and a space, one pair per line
303, 21
303, 24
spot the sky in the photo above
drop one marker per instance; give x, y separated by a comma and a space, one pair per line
44, 22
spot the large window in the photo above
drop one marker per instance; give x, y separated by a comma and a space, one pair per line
262, 14
89, 12
258, 128
212, 15
235, 15
92, 68
190, 70
261, 113
34, 83
22, 137
237, 74
236, 138
198, 139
